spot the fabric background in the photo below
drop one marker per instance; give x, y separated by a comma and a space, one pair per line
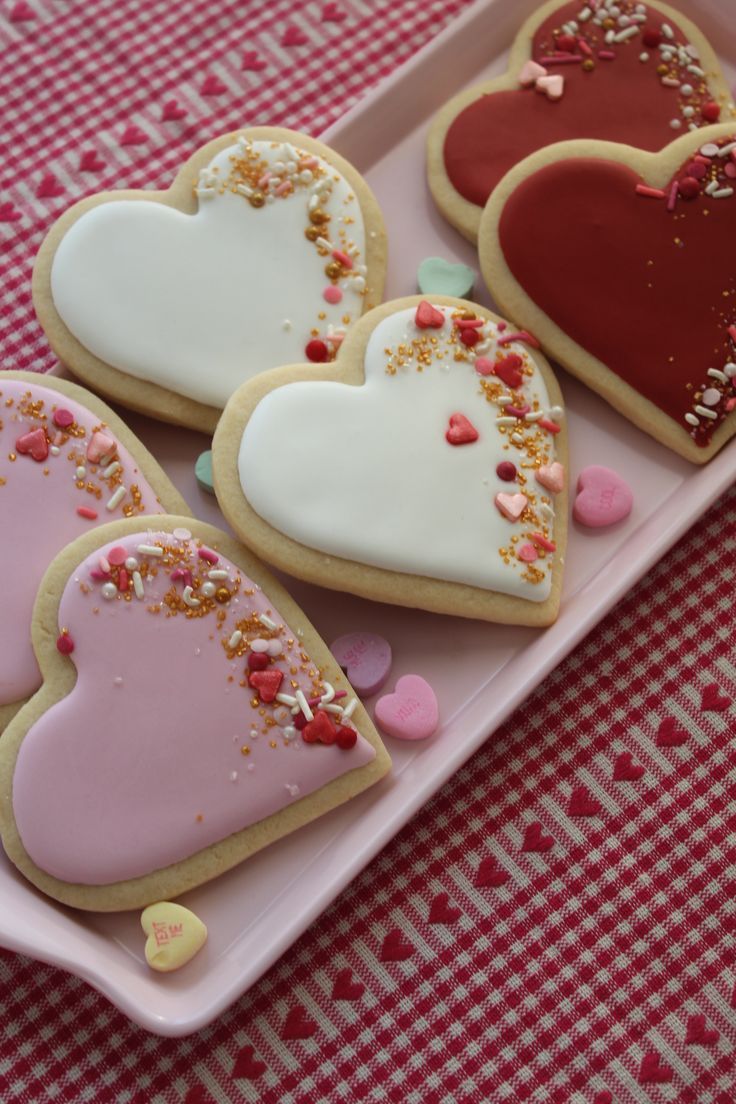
557, 924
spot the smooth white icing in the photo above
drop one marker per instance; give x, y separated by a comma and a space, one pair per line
365, 473
199, 303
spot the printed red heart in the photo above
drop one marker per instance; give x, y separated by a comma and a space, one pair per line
22, 12
713, 701
198, 1095
613, 302
345, 988
604, 1097
461, 430
49, 187
395, 948
582, 804
251, 60
267, 683
698, 1033
653, 1071
625, 770
247, 1066
90, 161
669, 735
297, 1025
489, 873
441, 912
428, 317
212, 86
33, 444
535, 839
8, 213
172, 110
620, 100
508, 369
133, 136
332, 14
294, 37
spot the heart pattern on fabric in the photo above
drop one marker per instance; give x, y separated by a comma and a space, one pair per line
637, 266
599, 80
419, 443
198, 302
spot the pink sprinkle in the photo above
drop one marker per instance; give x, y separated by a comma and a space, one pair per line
696, 169
517, 411
182, 573
521, 335
86, 512
484, 366
527, 553
344, 259
264, 180
63, 418
672, 197
560, 59
702, 159
104, 564
730, 170
730, 405
100, 444
122, 579
335, 338
645, 190
332, 294
283, 188
99, 575
468, 323
607, 55
309, 163
583, 45
117, 555
541, 540
551, 427
58, 438
208, 555
501, 326
65, 644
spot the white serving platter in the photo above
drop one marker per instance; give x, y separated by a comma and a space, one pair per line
481, 673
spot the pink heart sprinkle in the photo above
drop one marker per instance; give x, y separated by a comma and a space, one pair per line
552, 86
411, 712
511, 506
551, 476
100, 444
603, 497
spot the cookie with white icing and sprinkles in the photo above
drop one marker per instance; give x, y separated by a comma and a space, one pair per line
266, 249
67, 464
613, 70
426, 467
622, 264
193, 716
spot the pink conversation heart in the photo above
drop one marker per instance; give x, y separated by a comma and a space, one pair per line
603, 497
366, 659
411, 712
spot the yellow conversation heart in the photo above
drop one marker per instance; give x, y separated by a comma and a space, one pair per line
174, 933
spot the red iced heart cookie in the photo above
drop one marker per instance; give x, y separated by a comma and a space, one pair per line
461, 430
603, 498
600, 75
644, 314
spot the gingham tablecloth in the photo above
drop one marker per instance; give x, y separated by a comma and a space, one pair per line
557, 924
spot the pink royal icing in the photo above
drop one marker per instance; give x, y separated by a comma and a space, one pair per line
165, 745
40, 504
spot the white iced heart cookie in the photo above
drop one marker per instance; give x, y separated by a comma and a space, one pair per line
389, 474
119, 793
265, 250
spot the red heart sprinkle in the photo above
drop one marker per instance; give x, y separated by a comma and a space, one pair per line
508, 369
321, 728
461, 431
428, 317
33, 444
267, 683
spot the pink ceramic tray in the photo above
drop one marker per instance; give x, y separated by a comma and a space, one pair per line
481, 673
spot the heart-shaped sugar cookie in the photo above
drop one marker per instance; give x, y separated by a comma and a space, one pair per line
621, 262
124, 793
639, 74
53, 487
378, 475
175, 935
266, 248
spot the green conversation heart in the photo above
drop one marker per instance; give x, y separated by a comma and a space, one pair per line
436, 276
203, 471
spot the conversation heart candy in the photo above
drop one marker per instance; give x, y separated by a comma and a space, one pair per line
603, 497
436, 276
203, 471
366, 659
175, 935
411, 712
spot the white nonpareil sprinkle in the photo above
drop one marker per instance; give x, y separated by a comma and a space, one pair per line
138, 585
517, 438
287, 699
349, 709
108, 591
506, 420
711, 396
714, 373
131, 564
328, 694
667, 31
710, 149
218, 573
189, 599
80, 472
692, 420
208, 589
705, 412
533, 415
643, 56
259, 645
686, 89
696, 70
722, 193
111, 469
675, 124
730, 369
724, 151
628, 32
54, 450
235, 639
149, 550
266, 620
304, 705
711, 187
116, 498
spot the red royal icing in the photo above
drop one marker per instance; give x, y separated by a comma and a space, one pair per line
650, 292
620, 100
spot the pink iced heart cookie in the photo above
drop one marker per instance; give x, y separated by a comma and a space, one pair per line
391, 478
366, 659
411, 712
124, 793
148, 297
54, 486
603, 497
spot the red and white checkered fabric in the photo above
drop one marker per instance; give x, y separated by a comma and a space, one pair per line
557, 925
